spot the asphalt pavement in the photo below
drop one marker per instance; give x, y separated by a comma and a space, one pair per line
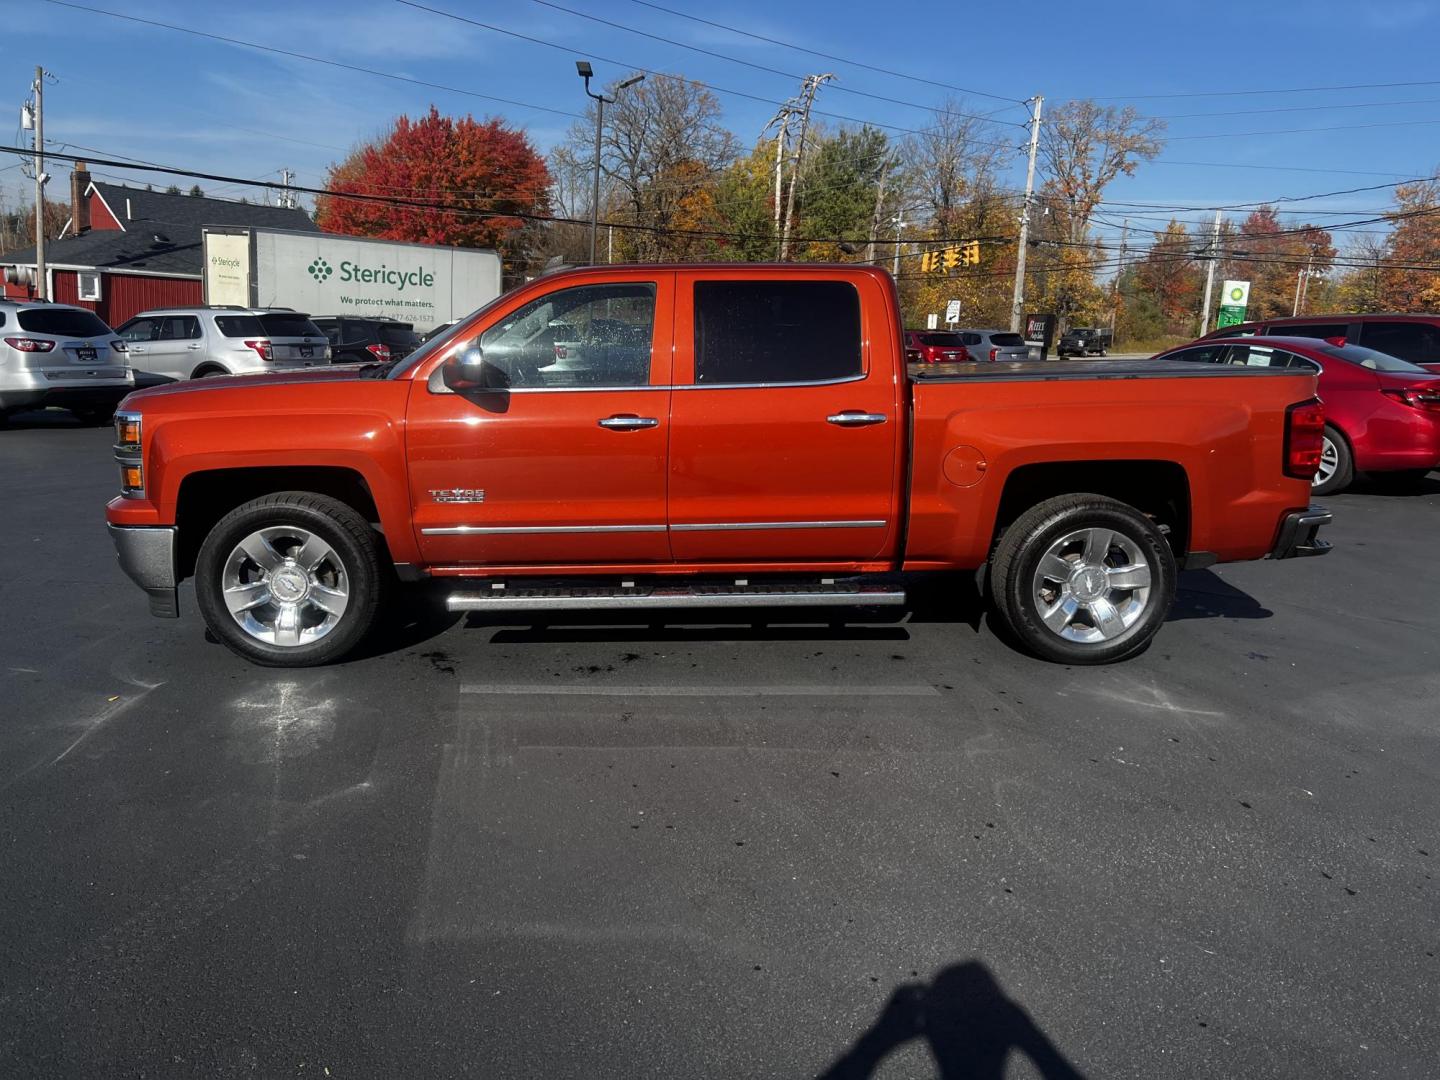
747, 848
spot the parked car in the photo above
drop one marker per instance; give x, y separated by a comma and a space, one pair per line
59, 355
1382, 414
1415, 338
935, 347
773, 450
198, 342
1083, 341
995, 345
359, 340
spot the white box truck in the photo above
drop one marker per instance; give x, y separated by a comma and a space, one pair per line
327, 274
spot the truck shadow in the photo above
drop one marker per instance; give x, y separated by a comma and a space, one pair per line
969, 1024
1205, 595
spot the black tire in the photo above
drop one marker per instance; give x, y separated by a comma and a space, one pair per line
1016, 559
1344, 473
351, 539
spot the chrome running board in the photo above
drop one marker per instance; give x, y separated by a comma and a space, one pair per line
671, 596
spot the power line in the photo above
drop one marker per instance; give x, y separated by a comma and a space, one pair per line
571, 51
1301, 108
758, 67
1302, 131
828, 56
1256, 93
312, 59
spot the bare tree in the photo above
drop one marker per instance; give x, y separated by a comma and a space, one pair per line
952, 168
1083, 147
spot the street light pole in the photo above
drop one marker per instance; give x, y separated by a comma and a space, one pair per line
586, 72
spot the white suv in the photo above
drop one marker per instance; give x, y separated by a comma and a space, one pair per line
56, 354
193, 343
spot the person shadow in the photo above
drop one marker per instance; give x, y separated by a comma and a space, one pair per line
969, 1023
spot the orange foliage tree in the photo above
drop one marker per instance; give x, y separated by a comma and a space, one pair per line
475, 178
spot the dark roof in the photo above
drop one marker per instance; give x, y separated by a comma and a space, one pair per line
175, 219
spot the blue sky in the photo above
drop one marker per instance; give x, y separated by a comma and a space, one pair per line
144, 92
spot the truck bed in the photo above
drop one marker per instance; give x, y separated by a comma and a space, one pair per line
1052, 370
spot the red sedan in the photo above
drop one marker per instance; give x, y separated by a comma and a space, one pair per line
1382, 414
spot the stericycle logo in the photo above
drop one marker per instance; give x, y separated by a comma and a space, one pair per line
320, 270
400, 280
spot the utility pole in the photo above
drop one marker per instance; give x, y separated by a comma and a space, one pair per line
1302, 284
287, 197
899, 220
1210, 276
781, 122
584, 70
1017, 303
41, 292
810, 88
1115, 286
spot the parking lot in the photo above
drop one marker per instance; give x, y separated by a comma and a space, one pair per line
576, 849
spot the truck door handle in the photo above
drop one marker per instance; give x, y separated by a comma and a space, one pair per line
852, 418
629, 423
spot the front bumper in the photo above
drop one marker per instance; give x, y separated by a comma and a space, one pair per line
147, 555
1297, 537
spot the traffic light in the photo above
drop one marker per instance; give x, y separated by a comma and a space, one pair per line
971, 253
952, 258
928, 261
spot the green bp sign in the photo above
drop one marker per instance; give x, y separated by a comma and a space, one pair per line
1234, 298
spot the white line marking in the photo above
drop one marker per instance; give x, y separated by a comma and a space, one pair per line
702, 691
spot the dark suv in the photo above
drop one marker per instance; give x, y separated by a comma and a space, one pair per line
1415, 338
358, 340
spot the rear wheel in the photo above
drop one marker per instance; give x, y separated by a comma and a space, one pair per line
1083, 579
1337, 466
290, 580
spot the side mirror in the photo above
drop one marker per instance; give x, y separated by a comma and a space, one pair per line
467, 371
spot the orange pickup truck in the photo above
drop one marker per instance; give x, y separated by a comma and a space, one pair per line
686, 436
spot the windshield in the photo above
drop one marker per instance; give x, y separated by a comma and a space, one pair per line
288, 324
1369, 358
62, 322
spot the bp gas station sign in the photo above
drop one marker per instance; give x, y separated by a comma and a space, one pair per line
1234, 298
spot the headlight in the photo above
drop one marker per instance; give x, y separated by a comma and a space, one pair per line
127, 454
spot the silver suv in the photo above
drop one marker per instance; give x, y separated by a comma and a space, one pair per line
56, 354
193, 343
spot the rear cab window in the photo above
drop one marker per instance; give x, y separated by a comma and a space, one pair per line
750, 333
62, 322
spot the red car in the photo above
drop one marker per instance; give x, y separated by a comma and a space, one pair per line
935, 347
1382, 414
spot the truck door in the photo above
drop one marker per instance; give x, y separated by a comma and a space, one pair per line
565, 464
784, 440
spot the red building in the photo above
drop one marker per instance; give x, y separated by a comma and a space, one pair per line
126, 249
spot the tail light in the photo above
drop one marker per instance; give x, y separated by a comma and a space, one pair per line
29, 344
1304, 437
994, 355
1416, 397
262, 348
118, 345
379, 351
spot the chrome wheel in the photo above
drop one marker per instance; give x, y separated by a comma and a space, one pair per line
1329, 462
1091, 585
285, 586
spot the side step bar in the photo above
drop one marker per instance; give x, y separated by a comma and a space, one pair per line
668, 596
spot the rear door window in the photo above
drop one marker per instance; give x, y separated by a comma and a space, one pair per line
179, 327
239, 326
284, 324
1417, 342
62, 322
753, 332
1259, 356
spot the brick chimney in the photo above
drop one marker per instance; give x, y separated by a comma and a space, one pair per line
79, 204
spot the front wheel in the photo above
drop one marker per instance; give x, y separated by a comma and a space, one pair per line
290, 580
1083, 579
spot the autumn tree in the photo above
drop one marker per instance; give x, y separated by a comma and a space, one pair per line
1275, 258
1170, 275
1414, 241
476, 182
1360, 286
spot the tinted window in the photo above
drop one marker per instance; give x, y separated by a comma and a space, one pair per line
138, 330
1316, 330
591, 335
288, 324
1201, 354
1369, 358
179, 327
241, 326
398, 334
952, 341
1262, 356
62, 322
970, 339
751, 332
2, 318
1417, 342
330, 328
1006, 339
